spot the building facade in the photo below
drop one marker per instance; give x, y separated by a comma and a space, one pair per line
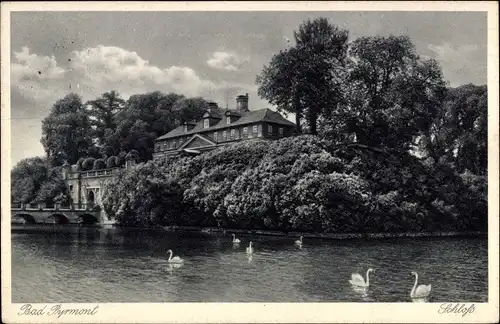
220, 127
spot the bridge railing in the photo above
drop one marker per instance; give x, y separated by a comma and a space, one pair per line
54, 206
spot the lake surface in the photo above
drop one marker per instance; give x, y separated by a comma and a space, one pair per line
56, 264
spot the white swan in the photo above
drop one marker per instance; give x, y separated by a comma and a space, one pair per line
357, 279
235, 240
420, 291
250, 248
175, 259
299, 241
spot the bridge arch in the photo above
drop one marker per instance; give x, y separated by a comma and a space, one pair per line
26, 218
57, 219
88, 219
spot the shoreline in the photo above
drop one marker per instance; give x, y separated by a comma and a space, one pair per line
291, 234
328, 236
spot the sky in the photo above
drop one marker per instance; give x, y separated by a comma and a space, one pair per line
215, 55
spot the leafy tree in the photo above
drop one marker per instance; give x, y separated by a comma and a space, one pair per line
54, 188
27, 177
306, 79
147, 116
66, 131
390, 95
188, 109
458, 133
143, 196
102, 113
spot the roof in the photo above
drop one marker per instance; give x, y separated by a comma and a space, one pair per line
250, 117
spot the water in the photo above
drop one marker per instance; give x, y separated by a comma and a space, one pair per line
69, 264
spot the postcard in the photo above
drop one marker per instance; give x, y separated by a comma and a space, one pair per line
248, 162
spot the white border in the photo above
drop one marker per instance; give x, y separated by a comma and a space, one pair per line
259, 312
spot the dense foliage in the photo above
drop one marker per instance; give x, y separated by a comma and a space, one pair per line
300, 183
33, 182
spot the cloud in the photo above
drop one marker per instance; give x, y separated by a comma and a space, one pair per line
28, 66
36, 77
116, 67
226, 61
456, 62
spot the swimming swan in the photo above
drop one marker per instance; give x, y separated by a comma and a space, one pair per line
299, 241
420, 291
175, 259
235, 240
357, 279
250, 248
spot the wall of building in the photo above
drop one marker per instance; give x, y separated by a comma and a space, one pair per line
262, 130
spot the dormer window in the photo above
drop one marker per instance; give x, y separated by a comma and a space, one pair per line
206, 123
228, 120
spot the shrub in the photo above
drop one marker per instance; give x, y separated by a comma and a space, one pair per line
99, 164
88, 164
112, 162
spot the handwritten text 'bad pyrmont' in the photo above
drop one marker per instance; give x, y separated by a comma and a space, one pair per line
56, 311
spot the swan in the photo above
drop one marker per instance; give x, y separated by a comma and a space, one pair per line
299, 241
250, 248
357, 279
235, 240
175, 259
420, 291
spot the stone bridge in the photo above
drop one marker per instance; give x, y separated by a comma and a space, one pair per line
41, 214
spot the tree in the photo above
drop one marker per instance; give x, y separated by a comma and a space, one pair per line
143, 196
67, 134
27, 177
54, 188
306, 79
458, 133
188, 109
102, 113
390, 94
144, 118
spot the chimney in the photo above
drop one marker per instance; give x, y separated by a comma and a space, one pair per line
242, 103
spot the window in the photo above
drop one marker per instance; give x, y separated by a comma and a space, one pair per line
224, 135
245, 130
259, 134
174, 144
181, 140
228, 120
281, 131
71, 188
232, 133
206, 123
270, 129
254, 129
215, 136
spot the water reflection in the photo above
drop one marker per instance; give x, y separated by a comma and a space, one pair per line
130, 265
